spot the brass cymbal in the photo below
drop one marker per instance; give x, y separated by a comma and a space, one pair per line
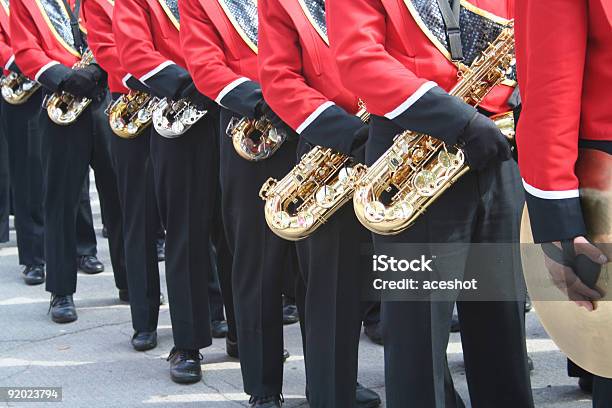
585, 337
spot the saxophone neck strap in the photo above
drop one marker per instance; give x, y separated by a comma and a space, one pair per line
77, 35
450, 15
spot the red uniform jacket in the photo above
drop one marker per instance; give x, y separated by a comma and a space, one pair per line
97, 18
298, 75
42, 50
147, 37
564, 56
6, 52
390, 53
223, 63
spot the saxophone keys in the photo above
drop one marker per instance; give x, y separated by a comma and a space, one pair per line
401, 210
304, 220
374, 211
325, 196
282, 220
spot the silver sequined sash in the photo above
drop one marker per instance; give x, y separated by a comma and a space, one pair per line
244, 14
58, 17
316, 13
477, 29
172, 10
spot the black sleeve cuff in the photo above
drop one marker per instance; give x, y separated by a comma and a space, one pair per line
169, 82
14, 68
136, 85
53, 77
333, 128
243, 99
555, 220
437, 114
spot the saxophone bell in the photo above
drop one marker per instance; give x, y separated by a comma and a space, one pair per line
255, 139
172, 119
318, 186
17, 88
131, 114
63, 108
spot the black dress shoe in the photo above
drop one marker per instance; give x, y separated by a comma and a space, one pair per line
161, 250
62, 309
185, 366
90, 264
586, 384
124, 295
286, 355
366, 398
143, 341
374, 333
528, 304
218, 329
34, 274
290, 311
231, 348
267, 402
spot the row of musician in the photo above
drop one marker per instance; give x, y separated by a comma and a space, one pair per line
417, 168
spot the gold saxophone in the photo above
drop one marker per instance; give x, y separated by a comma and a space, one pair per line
418, 168
255, 139
318, 186
131, 114
17, 88
64, 108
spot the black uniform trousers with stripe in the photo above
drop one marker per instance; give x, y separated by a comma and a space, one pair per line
141, 223
185, 177
259, 261
20, 127
68, 152
482, 207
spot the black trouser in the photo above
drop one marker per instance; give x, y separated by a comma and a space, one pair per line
482, 207
602, 392
85, 231
185, 180
215, 298
259, 259
220, 284
5, 201
68, 151
141, 224
20, 126
330, 265
289, 277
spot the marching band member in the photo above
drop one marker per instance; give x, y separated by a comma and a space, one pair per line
219, 40
135, 185
300, 83
45, 49
398, 57
564, 59
20, 127
147, 37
